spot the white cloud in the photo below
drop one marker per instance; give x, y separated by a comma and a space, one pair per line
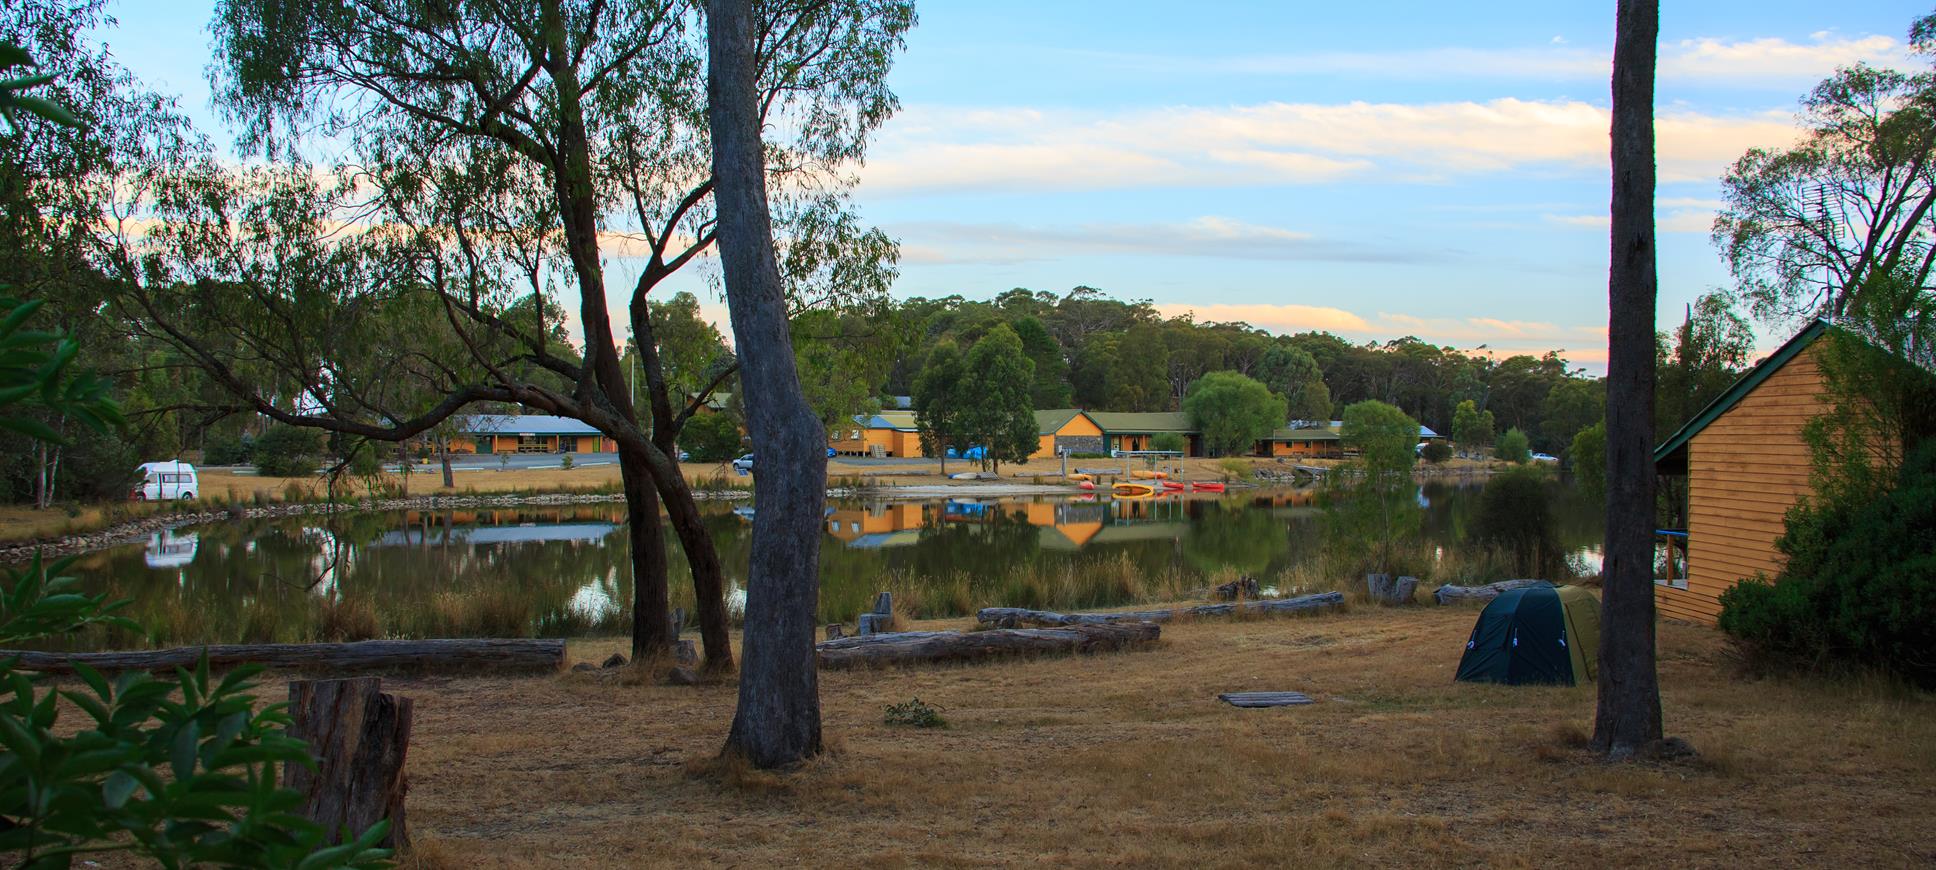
951, 242
1277, 318
1021, 149
1582, 344
1681, 220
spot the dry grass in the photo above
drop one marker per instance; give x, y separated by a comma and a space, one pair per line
1129, 759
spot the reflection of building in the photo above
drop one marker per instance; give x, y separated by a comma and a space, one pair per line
520, 534
528, 433
170, 549
852, 525
1064, 524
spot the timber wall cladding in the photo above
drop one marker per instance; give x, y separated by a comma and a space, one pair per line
1745, 470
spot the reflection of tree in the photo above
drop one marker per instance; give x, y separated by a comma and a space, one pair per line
1245, 540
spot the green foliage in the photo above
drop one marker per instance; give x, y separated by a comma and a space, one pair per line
1471, 427
915, 713
179, 771
1515, 517
1513, 447
1435, 452
35, 371
223, 450
1858, 588
1293, 373
1233, 411
938, 400
16, 103
710, 438
1570, 406
994, 397
842, 358
1588, 456
1050, 388
1375, 506
288, 451
1171, 441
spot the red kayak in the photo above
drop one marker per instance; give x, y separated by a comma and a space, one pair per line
1087, 485
1174, 485
1207, 487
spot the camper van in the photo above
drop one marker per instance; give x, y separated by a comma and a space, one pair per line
166, 481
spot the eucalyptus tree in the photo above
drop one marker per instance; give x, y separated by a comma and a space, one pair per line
1627, 716
777, 721
1807, 227
512, 147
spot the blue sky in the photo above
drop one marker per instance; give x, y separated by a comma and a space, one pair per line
1434, 169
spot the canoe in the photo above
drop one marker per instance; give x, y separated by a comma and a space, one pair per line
1133, 490
1144, 474
1175, 485
1207, 487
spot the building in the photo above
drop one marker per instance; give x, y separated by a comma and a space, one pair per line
888, 433
527, 433
1137, 430
1067, 430
1303, 442
1746, 464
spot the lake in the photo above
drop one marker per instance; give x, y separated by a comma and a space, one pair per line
551, 570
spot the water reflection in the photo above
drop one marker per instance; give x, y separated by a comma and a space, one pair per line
561, 570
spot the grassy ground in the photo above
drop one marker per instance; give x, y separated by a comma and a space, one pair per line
1128, 759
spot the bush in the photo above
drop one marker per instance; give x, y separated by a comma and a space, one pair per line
1588, 456
1858, 588
1513, 447
710, 438
915, 713
1515, 517
218, 450
288, 451
1170, 441
1436, 452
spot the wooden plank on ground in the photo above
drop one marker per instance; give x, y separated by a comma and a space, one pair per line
1265, 699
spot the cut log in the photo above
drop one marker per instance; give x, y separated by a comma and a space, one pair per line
359, 738
1385, 589
1008, 617
1449, 594
496, 655
926, 647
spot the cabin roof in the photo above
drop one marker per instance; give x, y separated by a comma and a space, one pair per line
1051, 421
898, 420
1672, 453
1142, 421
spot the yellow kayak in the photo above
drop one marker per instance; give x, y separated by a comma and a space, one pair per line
1133, 490
1141, 474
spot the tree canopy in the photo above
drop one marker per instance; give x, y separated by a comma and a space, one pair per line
1233, 411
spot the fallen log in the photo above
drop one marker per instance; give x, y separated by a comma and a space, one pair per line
928, 647
495, 655
1008, 617
1449, 594
359, 738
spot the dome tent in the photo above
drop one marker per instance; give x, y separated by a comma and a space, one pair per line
1535, 634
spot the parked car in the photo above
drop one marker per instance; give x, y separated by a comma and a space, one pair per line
172, 480
1545, 457
744, 464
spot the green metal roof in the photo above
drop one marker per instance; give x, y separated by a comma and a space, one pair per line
1052, 421
1323, 434
1676, 444
1136, 422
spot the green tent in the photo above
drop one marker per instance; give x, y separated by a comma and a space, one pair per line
1535, 634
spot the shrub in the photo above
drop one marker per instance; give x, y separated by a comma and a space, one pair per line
1588, 456
1515, 516
1513, 447
915, 713
1436, 452
710, 438
1170, 441
218, 450
1858, 588
288, 451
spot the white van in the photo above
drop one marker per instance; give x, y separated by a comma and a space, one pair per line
166, 481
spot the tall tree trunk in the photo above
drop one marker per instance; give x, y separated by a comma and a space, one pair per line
1628, 714
777, 722
443, 458
651, 609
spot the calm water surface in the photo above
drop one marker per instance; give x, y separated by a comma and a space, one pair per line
564, 570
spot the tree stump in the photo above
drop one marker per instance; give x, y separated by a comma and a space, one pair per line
836, 631
359, 738
1385, 589
1242, 587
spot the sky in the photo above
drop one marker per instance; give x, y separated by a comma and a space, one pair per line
1372, 169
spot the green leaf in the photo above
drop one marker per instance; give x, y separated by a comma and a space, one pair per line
117, 788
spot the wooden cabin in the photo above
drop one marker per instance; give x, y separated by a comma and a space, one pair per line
528, 433
888, 433
1066, 430
1746, 464
1137, 430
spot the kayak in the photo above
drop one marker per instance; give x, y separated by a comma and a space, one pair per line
1175, 485
1079, 476
1087, 485
1133, 490
1142, 474
1207, 487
